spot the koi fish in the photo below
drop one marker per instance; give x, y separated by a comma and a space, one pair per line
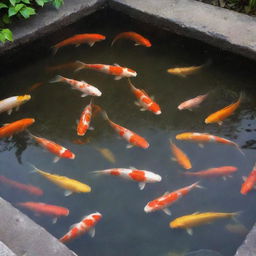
144, 101
13, 102
222, 171
180, 156
162, 202
237, 228
192, 103
85, 225
222, 114
189, 221
115, 70
78, 39
66, 66
133, 138
70, 185
85, 120
54, 148
32, 190
81, 86
107, 154
35, 86
9, 130
82, 141
249, 182
140, 176
45, 209
205, 138
137, 38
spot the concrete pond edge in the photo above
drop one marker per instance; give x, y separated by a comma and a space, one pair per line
219, 27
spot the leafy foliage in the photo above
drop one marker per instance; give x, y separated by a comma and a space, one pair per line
19, 9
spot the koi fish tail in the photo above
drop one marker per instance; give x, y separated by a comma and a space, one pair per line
34, 168
113, 41
235, 215
239, 149
96, 109
80, 65
57, 79
55, 48
196, 185
105, 115
130, 83
98, 172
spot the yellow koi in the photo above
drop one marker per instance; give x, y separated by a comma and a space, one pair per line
107, 154
70, 185
189, 221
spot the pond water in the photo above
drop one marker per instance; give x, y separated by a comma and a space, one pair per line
125, 228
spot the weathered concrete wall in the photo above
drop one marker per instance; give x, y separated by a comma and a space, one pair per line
5, 251
220, 27
23, 236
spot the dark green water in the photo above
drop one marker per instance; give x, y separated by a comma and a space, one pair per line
125, 228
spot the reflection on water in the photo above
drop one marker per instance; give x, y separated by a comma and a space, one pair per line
125, 229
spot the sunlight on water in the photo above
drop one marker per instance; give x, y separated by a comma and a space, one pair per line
125, 228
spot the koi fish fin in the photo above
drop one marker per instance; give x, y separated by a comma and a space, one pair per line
9, 111
80, 65
224, 178
73, 225
77, 122
54, 220
173, 159
56, 159
115, 64
239, 149
189, 231
91, 44
132, 167
77, 45
220, 123
143, 109
91, 128
137, 103
17, 108
142, 185
84, 95
129, 146
67, 193
195, 213
235, 215
201, 145
56, 79
167, 192
136, 44
199, 186
145, 93
54, 49
91, 232
34, 168
117, 78
167, 211
244, 178
105, 115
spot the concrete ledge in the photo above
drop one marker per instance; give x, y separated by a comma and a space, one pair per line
17, 231
220, 27
5, 251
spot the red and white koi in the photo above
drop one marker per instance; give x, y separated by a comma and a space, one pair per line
81, 86
133, 138
164, 201
13, 102
54, 148
141, 176
192, 103
249, 182
85, 120
86, 225
144, 100
114, 70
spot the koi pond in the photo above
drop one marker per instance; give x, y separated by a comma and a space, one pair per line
125, 229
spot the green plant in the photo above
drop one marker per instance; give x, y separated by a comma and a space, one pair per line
19, 9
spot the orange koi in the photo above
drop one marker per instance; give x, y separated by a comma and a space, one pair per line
32, 190
35, 86
82, 141
180, 156
144, 101
222, 114
137, 38
115, 70
85, 120
249, 182
85, 225
162, 202
66, 66
54, 148
9, 130
78, 39
133, 138
192, 103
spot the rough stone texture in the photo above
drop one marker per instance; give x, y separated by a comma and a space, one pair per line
17, 231
220, 27
49, 21
5, 251
248, 248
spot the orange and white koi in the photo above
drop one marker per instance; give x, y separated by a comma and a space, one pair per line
192, 103
54, 148
81, 86
85, 120
205, 138
222, 114
115, 70
133, 138
144, 100
13, 102
137, 38
85, 225
164, 201
249, 182
32, 190
180, 156
78, 39
141, 176
45, 209
9, 130
222, 171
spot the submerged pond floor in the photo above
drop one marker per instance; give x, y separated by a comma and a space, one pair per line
125, 228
